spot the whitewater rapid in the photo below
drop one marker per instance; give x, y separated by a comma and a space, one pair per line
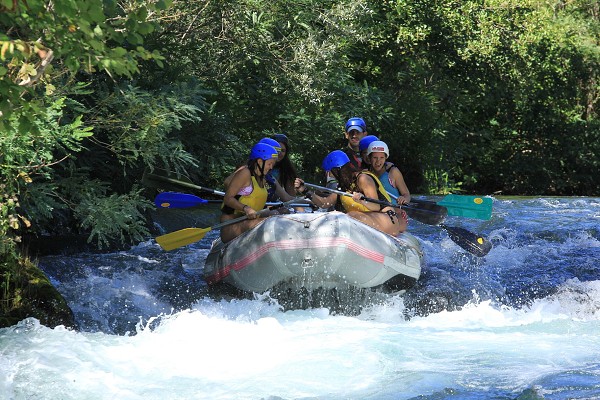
522, 323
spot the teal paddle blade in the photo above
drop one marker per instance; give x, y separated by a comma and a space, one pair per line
468, 206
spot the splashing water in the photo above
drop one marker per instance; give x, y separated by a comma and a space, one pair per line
521, 323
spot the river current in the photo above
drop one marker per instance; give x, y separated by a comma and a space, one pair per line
521, 323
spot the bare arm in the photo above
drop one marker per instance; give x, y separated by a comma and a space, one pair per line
241, 178
319, 201
399, 183
227, 181
282, 193
368, 189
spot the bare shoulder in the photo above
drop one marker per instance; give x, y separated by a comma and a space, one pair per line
365, 180
362, 177
395, 171
241, 177
242, 171
390, 167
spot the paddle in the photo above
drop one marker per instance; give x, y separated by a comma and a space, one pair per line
430, 214
474, 244
468, 206
464, 206
469, 241
159, 181
183, 200
178, 200
183, 237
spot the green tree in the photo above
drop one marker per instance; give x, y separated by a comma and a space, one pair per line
48, 50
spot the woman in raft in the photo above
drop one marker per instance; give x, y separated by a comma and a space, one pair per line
389, 175
283, 173
276, 191
361, 184
246, 193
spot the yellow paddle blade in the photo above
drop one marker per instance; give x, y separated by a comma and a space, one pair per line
181, 238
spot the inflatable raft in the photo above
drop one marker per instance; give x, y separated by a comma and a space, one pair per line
314, 250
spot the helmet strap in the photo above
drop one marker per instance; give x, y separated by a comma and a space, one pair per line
261, 167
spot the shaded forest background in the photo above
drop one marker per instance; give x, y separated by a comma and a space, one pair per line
487, 97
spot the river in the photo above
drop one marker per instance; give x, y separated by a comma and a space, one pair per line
521, 323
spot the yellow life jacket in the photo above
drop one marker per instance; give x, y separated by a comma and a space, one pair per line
257, 199
350, 205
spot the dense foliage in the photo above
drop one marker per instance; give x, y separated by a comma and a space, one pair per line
53, 56
494, 96
479, 96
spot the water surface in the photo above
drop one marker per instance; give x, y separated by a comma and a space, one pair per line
521, 323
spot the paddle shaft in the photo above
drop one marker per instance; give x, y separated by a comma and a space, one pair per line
377, 201
236, 220
289, 203
184, 184
184, 200
183, 237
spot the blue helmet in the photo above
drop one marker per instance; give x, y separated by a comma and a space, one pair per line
356, 123
262, 151
271, 142
366, 141
281, 138
335, 159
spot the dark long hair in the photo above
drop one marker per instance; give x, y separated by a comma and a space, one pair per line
345, 176
252, 165
287, 172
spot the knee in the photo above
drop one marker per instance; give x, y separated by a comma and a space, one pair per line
402, 225
356, 214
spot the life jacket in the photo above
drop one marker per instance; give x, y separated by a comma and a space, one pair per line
271, 189
387, 183
350, 205
257, 200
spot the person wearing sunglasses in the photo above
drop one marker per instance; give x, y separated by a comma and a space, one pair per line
362, 184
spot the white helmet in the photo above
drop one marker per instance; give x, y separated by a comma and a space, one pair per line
378, 147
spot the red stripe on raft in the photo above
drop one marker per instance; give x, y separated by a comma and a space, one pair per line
291, 245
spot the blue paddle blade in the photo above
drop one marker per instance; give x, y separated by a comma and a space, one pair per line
468, 206
177, 200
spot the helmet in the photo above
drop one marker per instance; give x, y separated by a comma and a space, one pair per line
263, 151
378, 147
281, 138
335, 159
356, 122
366, 141
271, 142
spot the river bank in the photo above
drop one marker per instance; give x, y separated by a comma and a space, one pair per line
26, 291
